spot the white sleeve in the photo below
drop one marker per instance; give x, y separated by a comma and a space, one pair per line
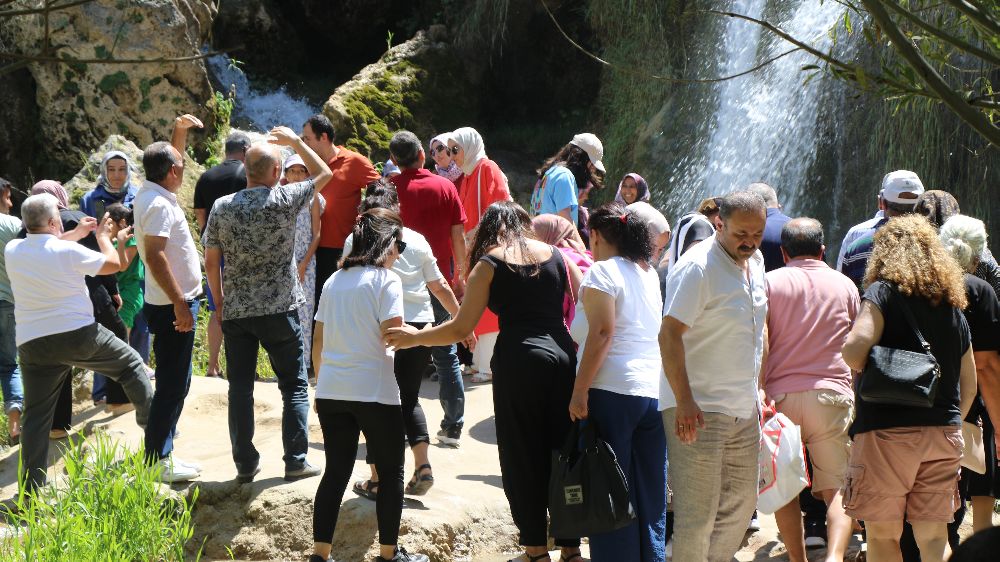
429, 266
390, 303
157, 219
685, 294
83, 260
598, 277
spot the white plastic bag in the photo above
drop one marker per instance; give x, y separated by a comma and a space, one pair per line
782, 464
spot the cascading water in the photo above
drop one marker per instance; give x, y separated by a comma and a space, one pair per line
255, 109
762, 126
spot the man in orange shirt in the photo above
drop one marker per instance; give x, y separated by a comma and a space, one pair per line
351, 173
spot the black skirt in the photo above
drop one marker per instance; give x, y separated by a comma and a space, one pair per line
972, 483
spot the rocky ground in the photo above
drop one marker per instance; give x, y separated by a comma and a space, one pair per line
463, 518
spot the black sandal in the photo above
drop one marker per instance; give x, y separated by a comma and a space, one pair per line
366, 489
420, 483
571, 557
530, 557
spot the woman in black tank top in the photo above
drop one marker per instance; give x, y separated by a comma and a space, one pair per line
534, 363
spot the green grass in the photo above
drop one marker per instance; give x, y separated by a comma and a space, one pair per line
199, 357
110, 508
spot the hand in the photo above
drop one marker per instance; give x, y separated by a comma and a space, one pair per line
578, 404
768, 408
85, 226
282, 136
184, 320
124, 235
401, 337
118, 301
470, 342
687, 420
187, 121
104, 226
302, 270
458, 287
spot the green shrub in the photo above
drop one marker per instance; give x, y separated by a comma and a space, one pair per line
111, 507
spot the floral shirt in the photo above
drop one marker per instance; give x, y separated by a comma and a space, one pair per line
255, 229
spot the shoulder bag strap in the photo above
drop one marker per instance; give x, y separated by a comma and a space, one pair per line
908, 314
479, 194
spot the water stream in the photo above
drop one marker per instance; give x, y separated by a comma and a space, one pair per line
255, 109
764, 126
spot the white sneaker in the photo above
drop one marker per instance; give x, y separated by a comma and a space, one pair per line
669, 550
192, 465
174, 471
754, 525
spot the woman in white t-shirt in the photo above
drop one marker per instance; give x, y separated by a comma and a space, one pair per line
356, 389
617, 381
418, 270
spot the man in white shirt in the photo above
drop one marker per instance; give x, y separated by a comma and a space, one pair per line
173, 284
712, 344
56, 329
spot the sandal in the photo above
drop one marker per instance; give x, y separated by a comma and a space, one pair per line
420, 483
530, 558
366, 489
571, 557
482, 377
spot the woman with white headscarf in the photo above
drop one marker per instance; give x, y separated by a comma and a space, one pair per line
444, 164
114, 184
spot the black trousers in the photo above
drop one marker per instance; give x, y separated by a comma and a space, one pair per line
342, 422
108, 317
326, 265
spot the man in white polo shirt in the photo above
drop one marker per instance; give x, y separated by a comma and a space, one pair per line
56, 329
173, 285
712, 343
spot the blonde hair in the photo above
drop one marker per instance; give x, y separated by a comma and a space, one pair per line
908, 254
964, 237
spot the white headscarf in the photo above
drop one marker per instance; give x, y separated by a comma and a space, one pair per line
472, 143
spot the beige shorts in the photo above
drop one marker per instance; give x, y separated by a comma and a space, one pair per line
824, 417
909, 472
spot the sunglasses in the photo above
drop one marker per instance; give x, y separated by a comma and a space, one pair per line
439, 148
454, 150
400, 245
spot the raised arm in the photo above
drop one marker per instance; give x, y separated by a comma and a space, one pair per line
318, 170
181, 126
103, 235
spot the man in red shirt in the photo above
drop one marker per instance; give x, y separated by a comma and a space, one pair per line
429, 204
351, 173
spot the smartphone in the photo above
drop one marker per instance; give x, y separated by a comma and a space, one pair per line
99, 209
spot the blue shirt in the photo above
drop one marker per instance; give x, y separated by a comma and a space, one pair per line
99, 193
856, 257
770, 246
557, 191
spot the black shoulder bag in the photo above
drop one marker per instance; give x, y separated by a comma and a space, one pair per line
588, 492
900, 377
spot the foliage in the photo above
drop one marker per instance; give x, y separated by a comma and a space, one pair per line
199, 358
220, 109
112, 507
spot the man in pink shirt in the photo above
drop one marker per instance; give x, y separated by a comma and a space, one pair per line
811, 310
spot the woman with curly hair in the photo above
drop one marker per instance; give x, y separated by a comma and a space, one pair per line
905, 460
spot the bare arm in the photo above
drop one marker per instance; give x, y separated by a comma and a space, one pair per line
688, 417
476, 296
575, 276
317, 348
83, 228
442, 292
600, 310
564, 213
213, 270
111, 263
318, 170
316, 224
967, 382
867, 332
159, 268
988, 377
201, 215
178, 139
125, 254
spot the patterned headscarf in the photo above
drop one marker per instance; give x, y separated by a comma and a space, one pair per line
472, 143
642, 189
554, 230
452, 172
54, 189
938, 206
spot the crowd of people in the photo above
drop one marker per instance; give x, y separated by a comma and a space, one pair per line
675, 345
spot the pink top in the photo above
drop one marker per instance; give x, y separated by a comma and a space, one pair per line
811, 310
583, 261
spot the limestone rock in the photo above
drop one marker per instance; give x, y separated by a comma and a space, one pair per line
86, 178
416, 85
82, 103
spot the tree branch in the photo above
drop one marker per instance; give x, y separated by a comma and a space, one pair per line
941, 34
36, 58
42, 10
975, 118
977, 15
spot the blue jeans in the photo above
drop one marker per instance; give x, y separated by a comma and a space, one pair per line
172, 350
632, 426
138, 338
10, 374
281, 337
452, 389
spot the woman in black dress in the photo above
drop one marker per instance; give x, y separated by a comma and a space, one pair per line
523, 282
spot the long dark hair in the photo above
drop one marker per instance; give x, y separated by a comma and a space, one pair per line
504, 223
624, 229
380, 194
374, 234
574, 159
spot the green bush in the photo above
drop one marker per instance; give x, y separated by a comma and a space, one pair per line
110, 507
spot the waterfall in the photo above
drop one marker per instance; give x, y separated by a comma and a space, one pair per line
763, 126
253, 108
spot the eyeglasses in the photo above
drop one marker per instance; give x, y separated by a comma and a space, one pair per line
454, 150
400, 245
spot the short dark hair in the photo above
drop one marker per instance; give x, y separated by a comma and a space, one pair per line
742, 201
320, 124
802, 237
237, 142
117, 211
624, 229
380, 194
405, 148
158, 160
373, 236
900, 208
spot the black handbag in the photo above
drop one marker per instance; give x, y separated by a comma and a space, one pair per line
588, 492
900, 377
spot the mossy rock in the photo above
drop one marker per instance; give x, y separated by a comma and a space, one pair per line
416, 85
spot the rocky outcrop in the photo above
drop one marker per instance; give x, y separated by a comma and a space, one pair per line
264, 24
19, 139
82, 103
416, 85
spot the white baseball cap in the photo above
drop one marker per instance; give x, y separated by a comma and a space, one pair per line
592, 146
895, 184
